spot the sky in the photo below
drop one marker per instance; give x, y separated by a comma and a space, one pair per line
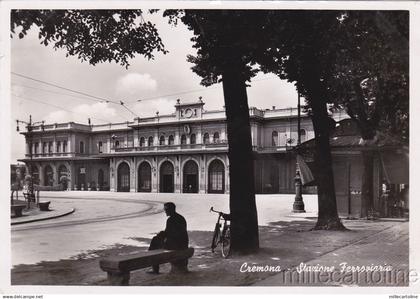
156, 83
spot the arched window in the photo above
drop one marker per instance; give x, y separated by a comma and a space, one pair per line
171, 140
82, 147
192, 139
150, 141
162, 140
274, 138
117, 144
183, 139
216, 138
100, 145
302, 135
206, 138
142, 141
216, 177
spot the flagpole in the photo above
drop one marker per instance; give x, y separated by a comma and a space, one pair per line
298, 205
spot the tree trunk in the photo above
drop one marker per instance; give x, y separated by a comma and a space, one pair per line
367, 183
327, 206
244, 224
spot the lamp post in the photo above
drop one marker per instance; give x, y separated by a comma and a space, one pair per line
298, 205
29, 128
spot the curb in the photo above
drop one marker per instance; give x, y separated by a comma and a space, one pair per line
44, 218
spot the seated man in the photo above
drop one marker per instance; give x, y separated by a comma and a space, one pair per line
174, 237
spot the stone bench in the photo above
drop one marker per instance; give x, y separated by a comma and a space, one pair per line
119, 267
17, 210
44, 205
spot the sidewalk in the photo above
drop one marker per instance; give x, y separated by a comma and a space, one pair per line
286, 244
57, 209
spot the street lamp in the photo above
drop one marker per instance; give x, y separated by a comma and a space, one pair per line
298, 205
29, 128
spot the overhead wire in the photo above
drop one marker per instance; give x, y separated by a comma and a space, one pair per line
61, 108
76, 91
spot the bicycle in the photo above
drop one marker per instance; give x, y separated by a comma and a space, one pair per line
221, 235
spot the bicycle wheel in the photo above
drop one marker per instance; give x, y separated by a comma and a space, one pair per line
216, 234
226, 243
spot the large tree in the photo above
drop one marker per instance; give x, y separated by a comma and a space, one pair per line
302, 49
226, 42
370, 80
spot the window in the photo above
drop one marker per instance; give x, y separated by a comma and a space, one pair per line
50, 147
162, 140
58, 147
117, 144
171, 140
82, 147
100, 146
150, 141
216, 138
36, 148
192, 139
274, 138
206, 138
64, 146
44, 147
183, 139
142, 141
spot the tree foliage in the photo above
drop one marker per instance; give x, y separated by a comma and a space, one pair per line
301, 49
371, 74
94, 36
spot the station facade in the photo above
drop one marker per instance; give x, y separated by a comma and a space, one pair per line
183, 152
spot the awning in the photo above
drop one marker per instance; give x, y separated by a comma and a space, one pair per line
306, 175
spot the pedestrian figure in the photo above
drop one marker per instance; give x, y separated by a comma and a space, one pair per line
174, 237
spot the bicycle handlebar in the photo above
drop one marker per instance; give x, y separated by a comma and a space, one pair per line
225, 216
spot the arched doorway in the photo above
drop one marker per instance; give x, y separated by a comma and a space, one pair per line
123, 184
216, 177
48, 176
144, 177
63, 175
100, 179
190, 177
166, 177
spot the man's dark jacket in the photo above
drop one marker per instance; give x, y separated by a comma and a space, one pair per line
176, 233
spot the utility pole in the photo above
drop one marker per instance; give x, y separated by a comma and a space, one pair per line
29, 128
298, 205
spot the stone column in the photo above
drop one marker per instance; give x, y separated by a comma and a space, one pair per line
177, 174
133, 175
227, 179
202, 169
56, 179
112, 176
155, 175
156, 139
41, 175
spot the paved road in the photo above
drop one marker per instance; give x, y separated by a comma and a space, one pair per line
105, 219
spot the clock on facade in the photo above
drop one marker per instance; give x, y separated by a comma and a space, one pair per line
188, 113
